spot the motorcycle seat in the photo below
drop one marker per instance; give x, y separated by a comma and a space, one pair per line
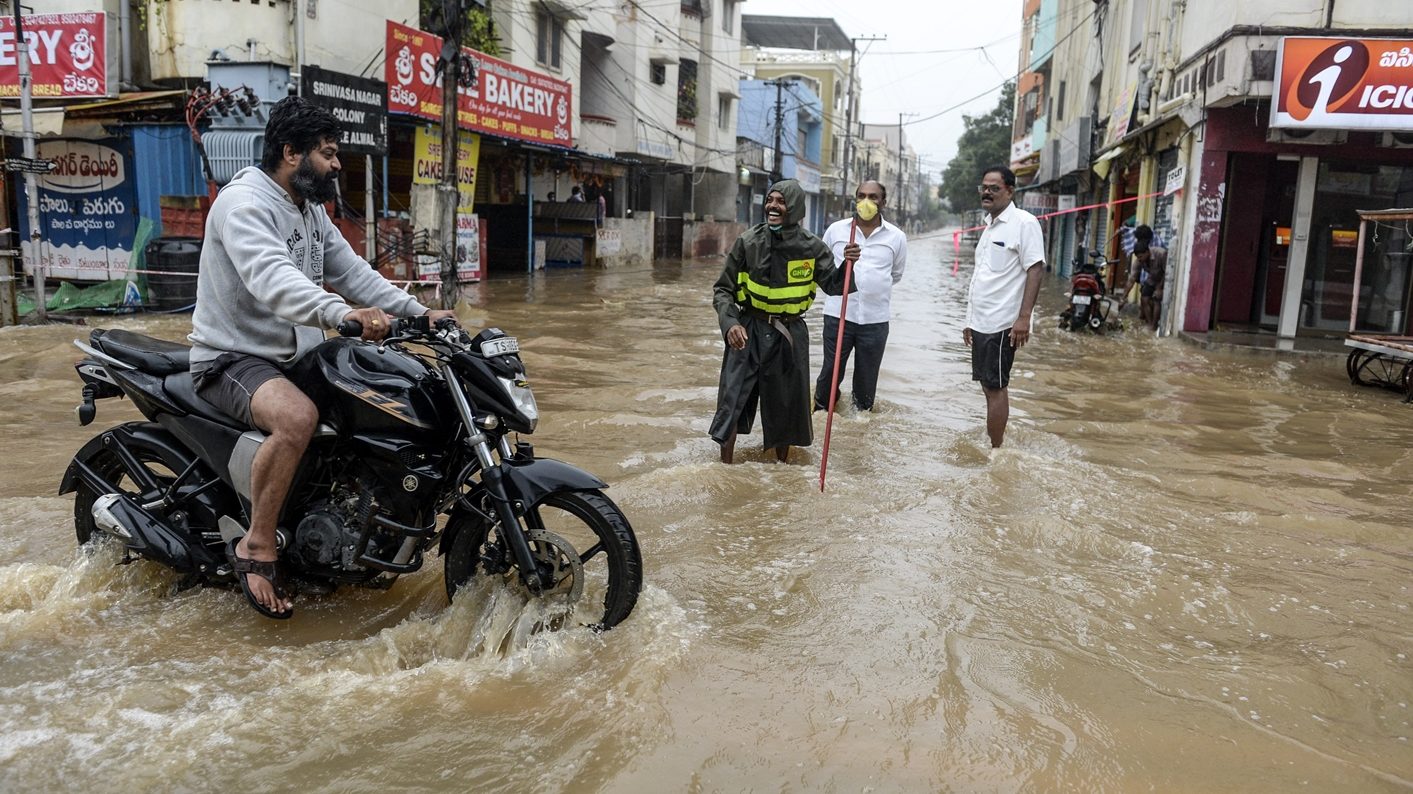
153, 356
182, 390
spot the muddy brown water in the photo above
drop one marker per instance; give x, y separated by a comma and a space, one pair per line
1187, 571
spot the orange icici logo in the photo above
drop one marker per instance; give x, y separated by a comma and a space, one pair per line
1330, 78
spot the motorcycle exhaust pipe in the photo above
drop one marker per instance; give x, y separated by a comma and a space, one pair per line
141, 531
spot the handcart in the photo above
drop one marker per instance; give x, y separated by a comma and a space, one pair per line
1384, 360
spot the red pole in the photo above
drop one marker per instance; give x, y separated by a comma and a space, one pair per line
838, 350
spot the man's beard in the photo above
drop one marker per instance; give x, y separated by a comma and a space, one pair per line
312, 187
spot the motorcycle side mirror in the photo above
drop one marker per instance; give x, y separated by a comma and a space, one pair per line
1095, 254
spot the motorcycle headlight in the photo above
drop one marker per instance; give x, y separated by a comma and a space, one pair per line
522, 398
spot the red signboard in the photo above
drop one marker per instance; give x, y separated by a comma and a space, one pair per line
68, 55
1344, 83
505, 99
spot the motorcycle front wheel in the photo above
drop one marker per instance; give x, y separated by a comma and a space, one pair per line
584, 537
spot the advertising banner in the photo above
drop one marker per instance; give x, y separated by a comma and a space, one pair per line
427, 161
69, 55
87, 210
359, 103
503, 100
468, 246
1121, 116
1333, 83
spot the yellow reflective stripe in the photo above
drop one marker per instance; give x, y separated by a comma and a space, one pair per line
793, 299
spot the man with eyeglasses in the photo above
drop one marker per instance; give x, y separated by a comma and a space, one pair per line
1004, 286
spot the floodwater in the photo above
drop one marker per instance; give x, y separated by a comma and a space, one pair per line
1186, 571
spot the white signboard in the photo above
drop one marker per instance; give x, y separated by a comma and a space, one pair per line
1176, 177
1066, 202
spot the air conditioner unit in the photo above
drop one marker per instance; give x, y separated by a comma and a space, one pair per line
1397, 140
1297, 135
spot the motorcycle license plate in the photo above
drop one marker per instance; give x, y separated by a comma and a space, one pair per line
1081, 300
500, 347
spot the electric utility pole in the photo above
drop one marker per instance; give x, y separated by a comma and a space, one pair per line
31, 189
775, 174
847, 189
449, 190
902, 175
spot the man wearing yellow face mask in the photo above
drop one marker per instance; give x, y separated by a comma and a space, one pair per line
879, 251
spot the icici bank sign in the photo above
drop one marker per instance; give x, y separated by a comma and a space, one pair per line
1344, 84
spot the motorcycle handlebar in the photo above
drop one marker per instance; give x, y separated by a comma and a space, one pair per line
400, 326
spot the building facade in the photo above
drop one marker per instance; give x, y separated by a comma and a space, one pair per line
1162, 114
815, 53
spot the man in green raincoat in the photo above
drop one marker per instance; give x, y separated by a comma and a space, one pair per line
768, 283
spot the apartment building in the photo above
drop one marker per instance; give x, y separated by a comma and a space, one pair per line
815, 53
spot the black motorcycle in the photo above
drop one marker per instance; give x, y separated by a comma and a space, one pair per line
411, 429
1090, 306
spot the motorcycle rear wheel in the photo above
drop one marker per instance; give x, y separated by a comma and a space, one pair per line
110, 467
597, 529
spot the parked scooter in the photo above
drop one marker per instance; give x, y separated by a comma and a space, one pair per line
1090, 306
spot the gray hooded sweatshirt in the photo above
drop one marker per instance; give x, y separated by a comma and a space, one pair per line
264, 264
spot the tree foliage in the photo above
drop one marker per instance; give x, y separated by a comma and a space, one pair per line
985, 142
479, 33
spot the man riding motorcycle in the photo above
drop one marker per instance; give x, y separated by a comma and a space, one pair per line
268, 253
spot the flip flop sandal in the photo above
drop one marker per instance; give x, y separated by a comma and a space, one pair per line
269, 571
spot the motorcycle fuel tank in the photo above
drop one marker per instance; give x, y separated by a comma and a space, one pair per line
374, 390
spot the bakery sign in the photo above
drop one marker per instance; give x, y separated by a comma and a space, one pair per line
503, 99
69, 55
1344, 83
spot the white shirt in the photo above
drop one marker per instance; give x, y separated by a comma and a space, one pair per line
1011, 245
882, 256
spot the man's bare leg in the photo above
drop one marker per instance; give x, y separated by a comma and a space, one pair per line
782, 452
998, 410
728, 449
289, 417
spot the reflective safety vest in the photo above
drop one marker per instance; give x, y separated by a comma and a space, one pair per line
793, 298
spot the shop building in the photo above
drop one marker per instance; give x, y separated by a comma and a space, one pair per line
1174, 116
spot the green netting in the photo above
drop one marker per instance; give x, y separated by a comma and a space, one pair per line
112, 295
121, 295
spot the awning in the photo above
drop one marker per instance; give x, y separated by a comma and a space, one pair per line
46, 121
132, 100
1103, 162
794, 33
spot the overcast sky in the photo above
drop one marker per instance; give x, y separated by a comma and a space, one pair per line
926, 83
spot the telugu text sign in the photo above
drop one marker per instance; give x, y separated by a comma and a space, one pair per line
68, 55
1337, 83
504, 99
87, 211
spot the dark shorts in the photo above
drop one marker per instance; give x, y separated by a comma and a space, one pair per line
991, 359
1146, 290
231, 380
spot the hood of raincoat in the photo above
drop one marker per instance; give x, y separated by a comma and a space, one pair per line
794, 200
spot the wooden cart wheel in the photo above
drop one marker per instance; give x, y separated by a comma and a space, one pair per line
1351, 364
1380, 370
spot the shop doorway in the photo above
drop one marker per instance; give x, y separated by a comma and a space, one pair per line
1273, 257
1254, 256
